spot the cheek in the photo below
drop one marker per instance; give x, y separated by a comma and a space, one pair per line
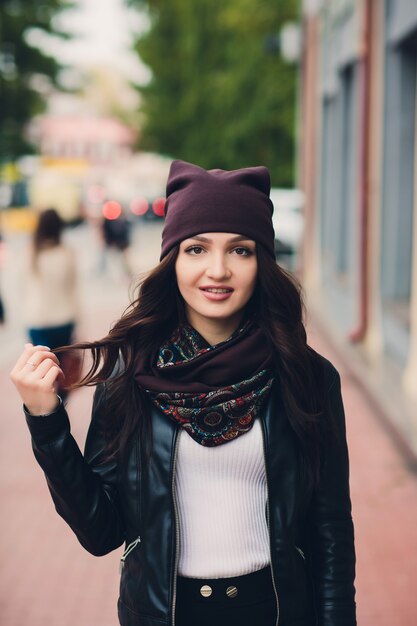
250, 277
178, 276
184, 275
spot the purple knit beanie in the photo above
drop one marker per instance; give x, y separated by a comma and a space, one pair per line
204, 201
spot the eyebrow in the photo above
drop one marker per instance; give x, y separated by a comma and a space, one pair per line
231, 240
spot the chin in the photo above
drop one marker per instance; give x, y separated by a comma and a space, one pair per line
221, 315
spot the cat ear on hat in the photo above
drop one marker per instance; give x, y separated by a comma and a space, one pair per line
257, 177
181, 174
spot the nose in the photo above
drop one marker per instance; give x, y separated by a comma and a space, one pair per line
218, 268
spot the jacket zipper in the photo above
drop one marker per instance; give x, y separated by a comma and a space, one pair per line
128, 550
177, 531
268, 520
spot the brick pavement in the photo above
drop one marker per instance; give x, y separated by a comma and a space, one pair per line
384, 497
47, 578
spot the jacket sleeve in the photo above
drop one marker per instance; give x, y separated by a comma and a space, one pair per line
83, 488
332, 541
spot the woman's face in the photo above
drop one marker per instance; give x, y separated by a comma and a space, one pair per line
216, 276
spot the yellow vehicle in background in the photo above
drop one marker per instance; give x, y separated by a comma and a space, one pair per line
15, 214
58, 184
51, 183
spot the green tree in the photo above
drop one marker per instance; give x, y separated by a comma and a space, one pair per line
219, 96
21, 64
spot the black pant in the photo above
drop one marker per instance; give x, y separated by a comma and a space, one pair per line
52, 336
247, 600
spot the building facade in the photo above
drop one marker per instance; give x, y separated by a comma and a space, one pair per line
357, 167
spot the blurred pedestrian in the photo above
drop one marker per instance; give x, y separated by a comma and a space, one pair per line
217, 448
51, 289
116, 238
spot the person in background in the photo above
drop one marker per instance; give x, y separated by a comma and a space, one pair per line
217, 450
51, 290
116, 237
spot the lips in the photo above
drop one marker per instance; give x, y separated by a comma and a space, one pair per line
217, 289
216, 293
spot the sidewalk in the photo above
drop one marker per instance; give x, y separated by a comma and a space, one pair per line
384, 502
47, 578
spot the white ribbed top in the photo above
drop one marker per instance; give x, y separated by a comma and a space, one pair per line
221, 498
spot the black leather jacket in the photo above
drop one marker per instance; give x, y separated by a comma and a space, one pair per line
107, 504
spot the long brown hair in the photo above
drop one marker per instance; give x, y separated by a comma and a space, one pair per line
154, 314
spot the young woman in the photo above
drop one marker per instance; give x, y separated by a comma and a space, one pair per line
51, 290
217, 449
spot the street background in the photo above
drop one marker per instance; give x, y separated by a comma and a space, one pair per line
47, 577
97, 98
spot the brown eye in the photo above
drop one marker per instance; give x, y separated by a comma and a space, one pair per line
242, 251
194, 250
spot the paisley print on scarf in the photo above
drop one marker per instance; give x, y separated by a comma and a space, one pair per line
215, 416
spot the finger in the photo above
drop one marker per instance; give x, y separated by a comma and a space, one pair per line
44, 367
51, 376
27, 353
36, 358
23, 357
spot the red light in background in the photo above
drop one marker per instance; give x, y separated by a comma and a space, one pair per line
112, 210
139, 206
158, 207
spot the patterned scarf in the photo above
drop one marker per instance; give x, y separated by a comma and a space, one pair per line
213, 392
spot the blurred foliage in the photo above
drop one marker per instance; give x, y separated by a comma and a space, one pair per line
22, 65
221, 95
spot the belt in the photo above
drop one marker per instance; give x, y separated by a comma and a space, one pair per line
256, 586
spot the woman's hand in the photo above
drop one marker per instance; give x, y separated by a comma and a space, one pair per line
34, 375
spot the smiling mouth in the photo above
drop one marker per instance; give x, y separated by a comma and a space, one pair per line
216, 290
